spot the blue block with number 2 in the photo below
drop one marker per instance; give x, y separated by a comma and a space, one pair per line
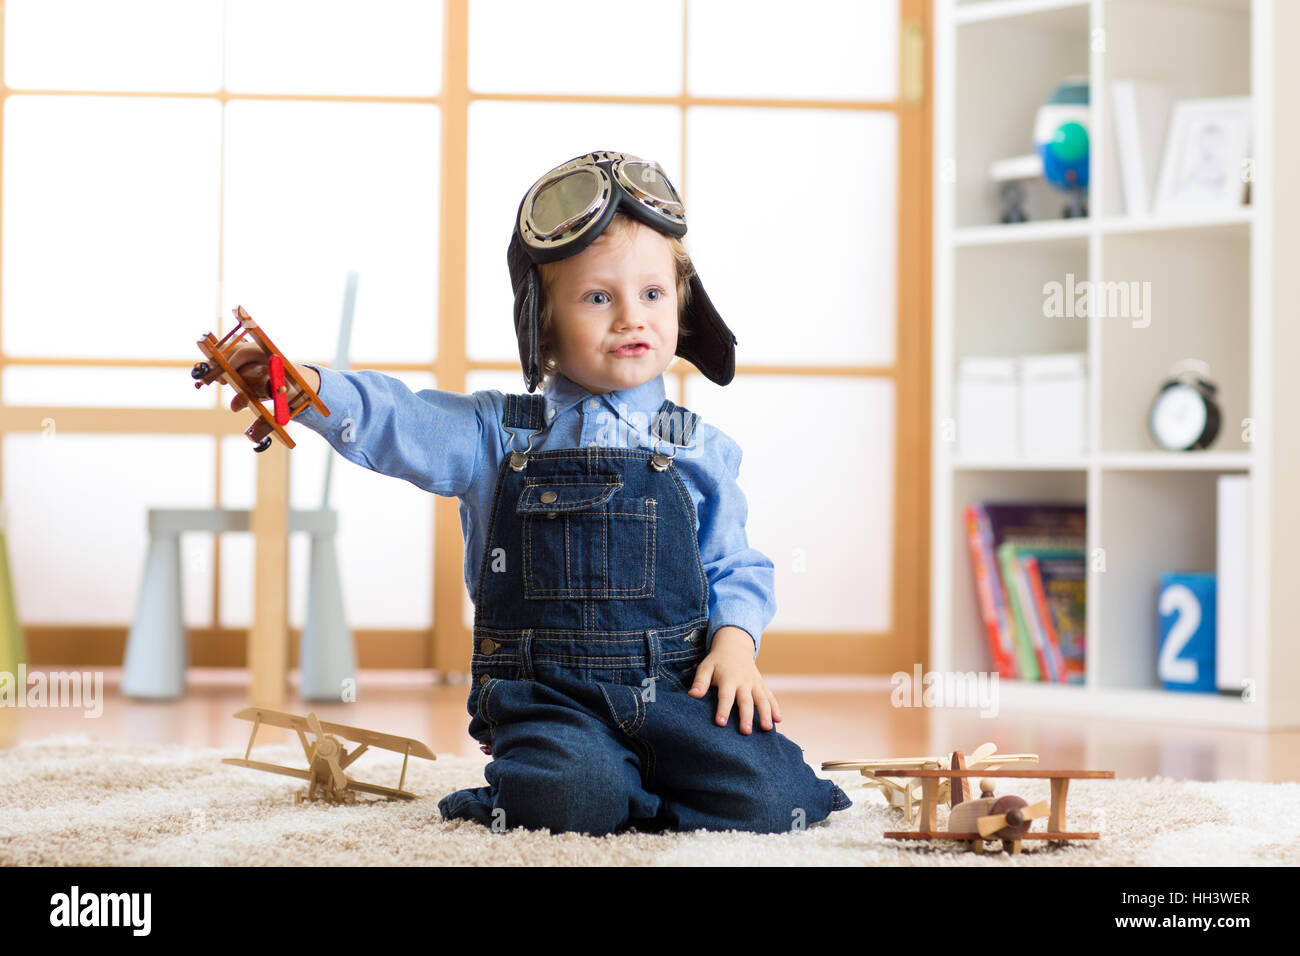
1187, 623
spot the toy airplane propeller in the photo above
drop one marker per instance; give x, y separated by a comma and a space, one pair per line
327, 757
218, 368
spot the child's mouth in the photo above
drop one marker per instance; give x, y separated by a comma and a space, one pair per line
635, 349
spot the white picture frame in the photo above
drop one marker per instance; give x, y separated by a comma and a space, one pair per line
1203, 166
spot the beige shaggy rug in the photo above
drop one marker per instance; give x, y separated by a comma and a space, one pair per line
73, 801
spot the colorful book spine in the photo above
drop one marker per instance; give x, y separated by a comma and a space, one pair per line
1026, 652
1062, 573
988, 593
1051, 646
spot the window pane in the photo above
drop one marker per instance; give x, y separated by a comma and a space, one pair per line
380, 48
77, 512
567, 46
830, 270
511, 146
119, 45
384, 541
816, 49
316, 190
828, 529
112, 386
110, 225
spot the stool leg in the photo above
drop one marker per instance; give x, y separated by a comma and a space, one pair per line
327, 656
157, 651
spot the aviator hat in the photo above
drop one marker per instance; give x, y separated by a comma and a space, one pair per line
566, 210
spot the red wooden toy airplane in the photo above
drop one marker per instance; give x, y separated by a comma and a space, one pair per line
218, 368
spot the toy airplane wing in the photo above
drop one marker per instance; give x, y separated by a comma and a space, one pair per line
891, 763
985, 756
269, 767
378, 790
393, 742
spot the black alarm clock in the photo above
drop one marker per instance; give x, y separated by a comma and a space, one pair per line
1184, 415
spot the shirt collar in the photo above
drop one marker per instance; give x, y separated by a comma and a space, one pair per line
562, 393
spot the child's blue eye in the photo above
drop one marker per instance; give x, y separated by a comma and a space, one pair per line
589, 295
658, 295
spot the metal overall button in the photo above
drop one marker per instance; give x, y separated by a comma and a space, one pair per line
660, 462
519, 459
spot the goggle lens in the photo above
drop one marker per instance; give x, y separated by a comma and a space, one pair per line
565, 203
648, 178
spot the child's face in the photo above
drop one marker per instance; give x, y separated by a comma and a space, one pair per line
619, 290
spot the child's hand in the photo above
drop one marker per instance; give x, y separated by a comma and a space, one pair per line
730, 665
251, 363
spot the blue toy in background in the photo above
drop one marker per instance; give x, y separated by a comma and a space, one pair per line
1187, 630
1061, 141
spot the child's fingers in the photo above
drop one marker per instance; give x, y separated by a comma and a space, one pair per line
745, 709
776, 708
703, 678
764, 703
726, 694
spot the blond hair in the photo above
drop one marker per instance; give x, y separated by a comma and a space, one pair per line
620, 226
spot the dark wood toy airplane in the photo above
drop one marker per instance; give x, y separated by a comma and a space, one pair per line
217, 368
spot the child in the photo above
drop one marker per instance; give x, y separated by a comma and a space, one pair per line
605, 533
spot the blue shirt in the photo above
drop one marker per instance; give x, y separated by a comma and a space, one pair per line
450, 444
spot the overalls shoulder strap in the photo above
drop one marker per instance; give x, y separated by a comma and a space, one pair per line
525, 411
672, 422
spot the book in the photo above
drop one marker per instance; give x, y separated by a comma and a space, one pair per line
1049, 653
1029, 650
988, 593
1141, 114
1232, 601
1058, 578
1038, 524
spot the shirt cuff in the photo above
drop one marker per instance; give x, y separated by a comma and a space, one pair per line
313, 419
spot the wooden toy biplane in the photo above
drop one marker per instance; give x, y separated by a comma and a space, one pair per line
987, 817
218, 368
327, 757
906, 796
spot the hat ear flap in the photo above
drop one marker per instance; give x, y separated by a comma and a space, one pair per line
711, 346
528, 327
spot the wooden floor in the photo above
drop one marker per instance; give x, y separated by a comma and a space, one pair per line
832, 719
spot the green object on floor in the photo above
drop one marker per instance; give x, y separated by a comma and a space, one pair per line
12, 650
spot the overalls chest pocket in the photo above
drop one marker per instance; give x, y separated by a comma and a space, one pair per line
584, 538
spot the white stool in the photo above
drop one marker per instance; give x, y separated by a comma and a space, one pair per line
157, 651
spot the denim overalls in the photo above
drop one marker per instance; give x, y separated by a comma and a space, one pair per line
590, 618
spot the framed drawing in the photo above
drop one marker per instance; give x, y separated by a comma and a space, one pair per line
1204, 165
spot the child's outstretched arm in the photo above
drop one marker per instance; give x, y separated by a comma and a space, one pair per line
431, 438
741, 602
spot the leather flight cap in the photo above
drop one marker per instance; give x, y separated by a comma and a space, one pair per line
711, 346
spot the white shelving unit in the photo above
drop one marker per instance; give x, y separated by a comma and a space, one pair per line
1212, 297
